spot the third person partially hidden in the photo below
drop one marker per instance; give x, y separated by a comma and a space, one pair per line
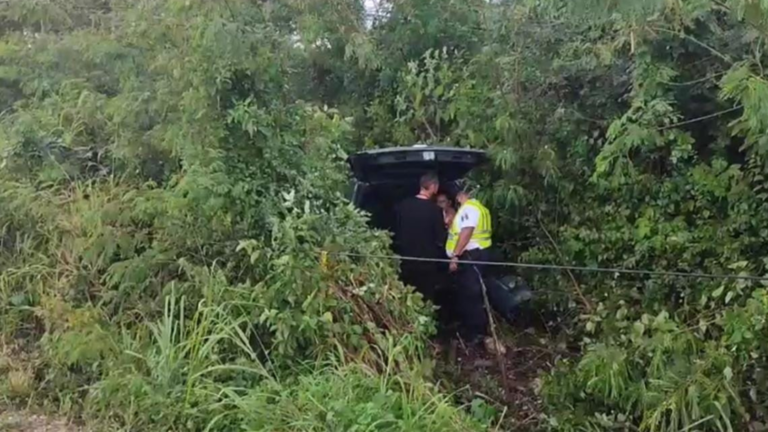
445, 203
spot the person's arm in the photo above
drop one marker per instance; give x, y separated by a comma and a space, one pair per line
396, 231
469, 219
448, 215
464, 236
440, 233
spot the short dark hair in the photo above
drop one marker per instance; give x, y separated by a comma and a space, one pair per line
463, 187
428, 180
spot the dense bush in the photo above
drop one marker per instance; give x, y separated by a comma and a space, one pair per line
171, 170
164, 197
624, 135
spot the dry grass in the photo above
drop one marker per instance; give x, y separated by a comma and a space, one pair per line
23, 421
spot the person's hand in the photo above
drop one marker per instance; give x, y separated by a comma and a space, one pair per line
454, 265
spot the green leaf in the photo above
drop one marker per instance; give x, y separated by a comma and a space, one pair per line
728, 373
18, 300
638, 329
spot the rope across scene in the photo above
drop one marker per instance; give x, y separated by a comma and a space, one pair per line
562, 267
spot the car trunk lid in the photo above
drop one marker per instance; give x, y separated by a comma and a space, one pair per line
407, 164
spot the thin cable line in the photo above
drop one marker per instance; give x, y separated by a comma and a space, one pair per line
560, 267
698, 119
695, 81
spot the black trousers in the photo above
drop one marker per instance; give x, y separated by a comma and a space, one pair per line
426, 277
468, 301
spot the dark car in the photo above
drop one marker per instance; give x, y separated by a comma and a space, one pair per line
384, 177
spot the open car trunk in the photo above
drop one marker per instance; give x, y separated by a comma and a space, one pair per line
385, 177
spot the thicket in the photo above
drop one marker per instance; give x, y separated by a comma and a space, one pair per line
170, 171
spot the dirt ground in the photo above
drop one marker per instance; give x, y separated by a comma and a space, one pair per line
22, 421
512, 387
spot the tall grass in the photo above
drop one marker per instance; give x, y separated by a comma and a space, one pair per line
206, 372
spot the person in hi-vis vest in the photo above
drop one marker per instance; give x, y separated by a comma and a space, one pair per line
469, 239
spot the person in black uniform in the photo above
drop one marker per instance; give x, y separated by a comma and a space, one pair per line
420, 232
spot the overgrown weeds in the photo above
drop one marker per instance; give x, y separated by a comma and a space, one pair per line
163, 200
170, 172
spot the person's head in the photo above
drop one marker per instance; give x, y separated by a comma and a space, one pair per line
462, 196
443, 201
429, 184
464, 192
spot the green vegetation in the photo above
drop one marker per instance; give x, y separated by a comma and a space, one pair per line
171, 169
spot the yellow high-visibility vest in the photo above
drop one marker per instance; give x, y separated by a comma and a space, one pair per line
482, 233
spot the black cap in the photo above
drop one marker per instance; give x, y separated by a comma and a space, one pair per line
464, 186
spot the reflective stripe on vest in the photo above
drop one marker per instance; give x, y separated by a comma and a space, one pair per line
482, 233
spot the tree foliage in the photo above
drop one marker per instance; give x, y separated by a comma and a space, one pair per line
170, 171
